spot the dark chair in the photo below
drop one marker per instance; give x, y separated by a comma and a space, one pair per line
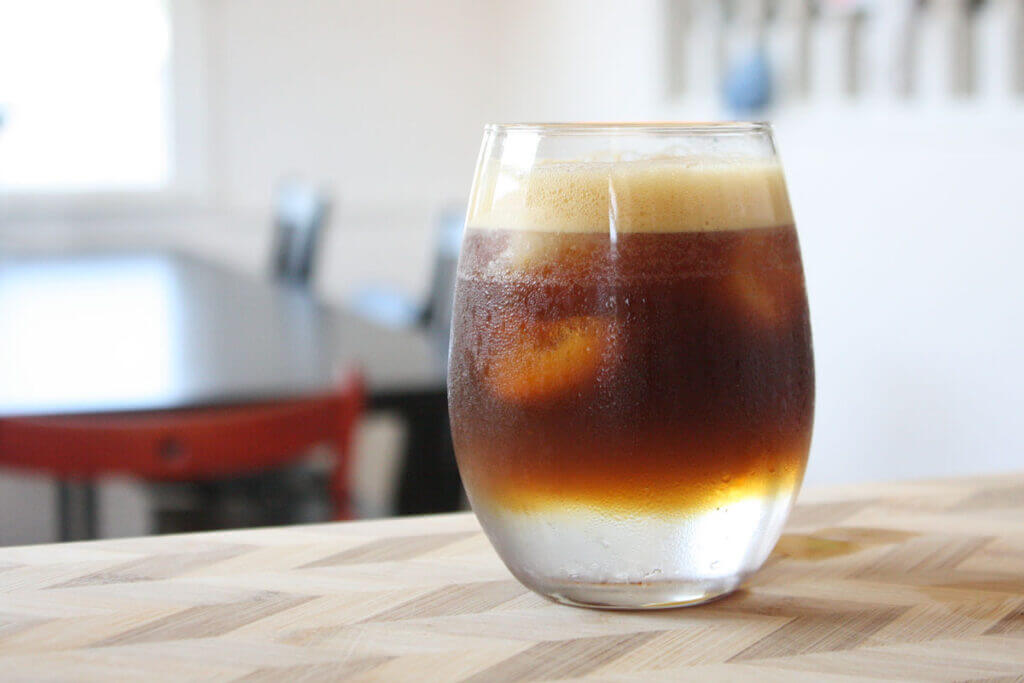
437, 312
300, 215
196, 445
434, 313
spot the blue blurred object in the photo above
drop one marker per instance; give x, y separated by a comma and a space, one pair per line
386, 305
748, 83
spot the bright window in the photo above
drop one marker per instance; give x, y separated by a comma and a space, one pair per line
84, 95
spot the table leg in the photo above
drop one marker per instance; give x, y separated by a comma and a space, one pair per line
76, 510
430, 478
294, 493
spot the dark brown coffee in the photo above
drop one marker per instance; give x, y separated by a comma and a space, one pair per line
642, 372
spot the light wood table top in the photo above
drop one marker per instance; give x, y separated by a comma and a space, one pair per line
894, 581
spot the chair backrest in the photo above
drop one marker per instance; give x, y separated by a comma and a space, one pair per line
437, 314
300, 214
180, 445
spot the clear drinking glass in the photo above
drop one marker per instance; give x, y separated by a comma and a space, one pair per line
631, 380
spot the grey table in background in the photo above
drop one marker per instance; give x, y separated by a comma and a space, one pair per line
121, 332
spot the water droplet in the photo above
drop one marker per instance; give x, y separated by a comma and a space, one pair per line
648, 575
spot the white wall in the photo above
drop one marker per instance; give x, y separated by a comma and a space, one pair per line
383, 101
576, 60
384, 98
910, 237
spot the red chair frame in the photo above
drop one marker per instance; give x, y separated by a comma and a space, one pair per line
192, 444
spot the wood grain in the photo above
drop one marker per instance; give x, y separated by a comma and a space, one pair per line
907, 581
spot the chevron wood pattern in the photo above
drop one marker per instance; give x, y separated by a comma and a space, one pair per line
902, 581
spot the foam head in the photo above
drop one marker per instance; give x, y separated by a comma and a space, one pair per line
658, 194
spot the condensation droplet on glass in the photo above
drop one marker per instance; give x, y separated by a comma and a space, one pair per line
648, 575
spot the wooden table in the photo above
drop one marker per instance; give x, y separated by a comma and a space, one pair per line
894, 581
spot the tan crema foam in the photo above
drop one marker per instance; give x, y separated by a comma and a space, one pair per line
649, 195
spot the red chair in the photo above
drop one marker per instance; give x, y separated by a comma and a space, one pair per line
184, 445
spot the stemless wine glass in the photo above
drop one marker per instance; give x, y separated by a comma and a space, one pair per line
631, 382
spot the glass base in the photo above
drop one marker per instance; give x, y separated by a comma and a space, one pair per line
611, 560
666, 595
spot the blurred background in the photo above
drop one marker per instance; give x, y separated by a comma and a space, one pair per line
196, 127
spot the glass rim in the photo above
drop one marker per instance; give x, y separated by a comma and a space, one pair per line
634, 128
